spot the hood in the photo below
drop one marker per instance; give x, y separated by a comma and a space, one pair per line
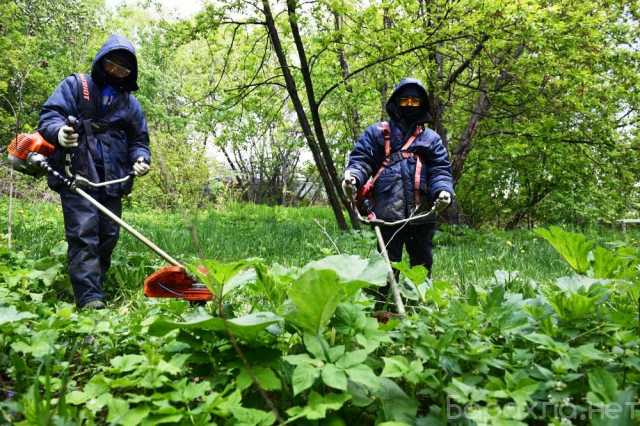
116, 42
392, 104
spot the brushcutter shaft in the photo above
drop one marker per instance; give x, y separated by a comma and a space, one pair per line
129, 228
395, 288
41, 160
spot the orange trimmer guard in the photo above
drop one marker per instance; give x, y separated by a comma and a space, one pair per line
174, 282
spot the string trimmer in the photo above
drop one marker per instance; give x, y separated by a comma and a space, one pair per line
372, 220
28, 153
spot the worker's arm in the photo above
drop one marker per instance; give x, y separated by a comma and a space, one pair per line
60, 105
137, 133
438, 167
367, 155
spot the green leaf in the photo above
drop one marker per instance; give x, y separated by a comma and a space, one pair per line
603, 386
336, 352
315, 295
351, 359
10, 314
155, 419
619, 413
547, 342
578, 297
353, 269
247, 326
47, 276
334, 377
395, 366
118, 408
124, 363
316, 345
318, 406
186, 392
588, 353
302, 359
364, 375
416, 274
215, 275
396, 404
573, 247
464, 393
303, 378
239, 280
97, 386
135, 416
77, 397
42, 343
266, 377
97, 404
252, 417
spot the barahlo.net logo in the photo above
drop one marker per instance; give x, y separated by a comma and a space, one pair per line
545, 410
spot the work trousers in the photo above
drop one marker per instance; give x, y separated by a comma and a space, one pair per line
91, 238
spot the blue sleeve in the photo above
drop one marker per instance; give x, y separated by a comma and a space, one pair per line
438, 166
137, 134
367, 154
60, 105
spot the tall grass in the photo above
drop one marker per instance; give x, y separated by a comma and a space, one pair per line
290, 236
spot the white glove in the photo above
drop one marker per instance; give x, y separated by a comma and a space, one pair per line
67, 138
141, 167
443, 201
348, 184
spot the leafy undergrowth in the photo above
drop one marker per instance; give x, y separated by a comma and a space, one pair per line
287, 345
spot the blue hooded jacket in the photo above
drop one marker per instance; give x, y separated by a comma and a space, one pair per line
123, 137
394, 189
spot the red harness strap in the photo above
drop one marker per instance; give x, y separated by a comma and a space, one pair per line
85, 87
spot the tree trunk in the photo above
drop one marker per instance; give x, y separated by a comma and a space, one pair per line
235, 170
315, 113
354, 123
383, 87
480, 108
302, 117
534, 199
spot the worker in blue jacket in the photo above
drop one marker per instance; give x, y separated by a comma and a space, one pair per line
108, 141
409, 170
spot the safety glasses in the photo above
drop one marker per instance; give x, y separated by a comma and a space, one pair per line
410, 102
115, 69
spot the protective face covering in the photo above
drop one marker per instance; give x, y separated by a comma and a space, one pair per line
117, 67
411, 114
410, 105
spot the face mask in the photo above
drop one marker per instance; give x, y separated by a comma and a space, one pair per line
116, 82
411, 114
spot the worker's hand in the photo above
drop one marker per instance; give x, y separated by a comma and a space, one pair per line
348, 184
67, 137
443, 201
141, 167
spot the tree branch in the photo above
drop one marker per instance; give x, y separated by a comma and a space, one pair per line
382, 60
463, 66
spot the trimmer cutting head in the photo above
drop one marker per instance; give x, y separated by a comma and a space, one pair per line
174, 282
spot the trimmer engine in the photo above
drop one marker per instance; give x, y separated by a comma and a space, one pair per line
24, 149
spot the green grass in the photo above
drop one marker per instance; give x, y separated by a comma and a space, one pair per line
291, 236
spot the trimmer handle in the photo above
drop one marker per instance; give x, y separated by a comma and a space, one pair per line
72, 121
